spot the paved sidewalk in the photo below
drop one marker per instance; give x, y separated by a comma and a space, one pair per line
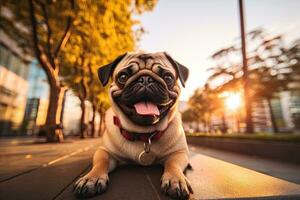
279, 169
22, 155
47, 171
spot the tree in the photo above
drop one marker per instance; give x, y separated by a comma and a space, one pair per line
44, 28
269, 71
190, 115
203, 104
292, 54
99, 35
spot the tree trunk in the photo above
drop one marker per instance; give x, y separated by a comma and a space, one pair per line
237, 123
273, 120
224, 126
54, 114
50, 63
94, 134
210, 127
83, 125
249, 121
206, 125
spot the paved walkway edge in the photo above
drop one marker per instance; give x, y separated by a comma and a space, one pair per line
284, 151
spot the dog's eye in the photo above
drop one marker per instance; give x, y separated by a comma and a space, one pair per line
169, 79
122, 78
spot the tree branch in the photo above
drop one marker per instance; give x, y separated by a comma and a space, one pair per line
49, 32
39, 51
83, 80
33, 21
67, 32
91, 75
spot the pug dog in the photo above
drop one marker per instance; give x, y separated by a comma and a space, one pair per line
143, 124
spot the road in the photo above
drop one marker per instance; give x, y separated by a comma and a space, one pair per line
52, 168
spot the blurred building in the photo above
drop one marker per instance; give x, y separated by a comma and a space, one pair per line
286, 109
261, 116
23, 90
37, 99
24, 94
293, 114
13, 87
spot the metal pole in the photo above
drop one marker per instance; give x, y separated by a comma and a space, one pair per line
247, 100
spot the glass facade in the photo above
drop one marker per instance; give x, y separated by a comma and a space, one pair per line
37, 101
13, 90
295, 108
13, 63
39, 87
24, 93
278, 113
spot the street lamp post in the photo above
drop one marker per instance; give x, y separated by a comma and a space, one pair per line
247, 101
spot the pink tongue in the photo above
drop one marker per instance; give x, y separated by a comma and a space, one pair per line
146, 108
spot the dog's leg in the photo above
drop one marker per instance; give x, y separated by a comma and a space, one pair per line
96, 181
173, 182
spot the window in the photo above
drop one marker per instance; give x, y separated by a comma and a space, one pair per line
4, 56
13, 62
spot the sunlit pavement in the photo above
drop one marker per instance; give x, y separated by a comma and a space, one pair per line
47, 171
215, 179
279, 169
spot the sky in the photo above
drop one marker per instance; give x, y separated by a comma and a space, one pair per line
192, 30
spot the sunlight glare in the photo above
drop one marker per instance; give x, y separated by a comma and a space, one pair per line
233, 101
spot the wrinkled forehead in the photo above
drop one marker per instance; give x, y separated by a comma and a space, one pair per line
149, 61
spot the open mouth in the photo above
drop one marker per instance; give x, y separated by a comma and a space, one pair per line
146, 112
146, 108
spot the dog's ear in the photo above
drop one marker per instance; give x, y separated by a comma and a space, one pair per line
182, 71
106, 71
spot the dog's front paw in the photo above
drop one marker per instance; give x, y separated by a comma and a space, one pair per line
90, 186
176, 185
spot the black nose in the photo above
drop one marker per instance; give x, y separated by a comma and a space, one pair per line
145, 80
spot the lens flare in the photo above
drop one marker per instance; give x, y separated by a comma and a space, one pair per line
233, 101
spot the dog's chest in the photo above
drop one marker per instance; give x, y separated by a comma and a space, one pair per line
134, 151
171, 141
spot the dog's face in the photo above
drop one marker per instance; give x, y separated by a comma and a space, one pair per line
144, 86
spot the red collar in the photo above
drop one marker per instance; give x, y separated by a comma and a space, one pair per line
132, 136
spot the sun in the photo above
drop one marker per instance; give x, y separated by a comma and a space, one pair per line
233, 101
